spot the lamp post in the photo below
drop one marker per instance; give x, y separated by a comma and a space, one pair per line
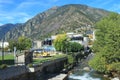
14, 55
3, 51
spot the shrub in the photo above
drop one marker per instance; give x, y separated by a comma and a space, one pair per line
3, 66
30, 65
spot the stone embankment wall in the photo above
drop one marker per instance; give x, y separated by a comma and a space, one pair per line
54, 66
13, 71
24, 73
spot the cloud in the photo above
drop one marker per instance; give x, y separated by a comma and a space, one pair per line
22, 10
13, 18
16, 15
30, 4
39, 3
6, 2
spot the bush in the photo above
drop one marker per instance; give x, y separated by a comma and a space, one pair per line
70, 59
30, 65
98, 63
114, 67
3, 66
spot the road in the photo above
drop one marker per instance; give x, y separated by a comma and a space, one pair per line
5, 53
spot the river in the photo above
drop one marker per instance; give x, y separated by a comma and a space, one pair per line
78, 73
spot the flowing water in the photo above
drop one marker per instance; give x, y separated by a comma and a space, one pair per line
85, 75
79, 74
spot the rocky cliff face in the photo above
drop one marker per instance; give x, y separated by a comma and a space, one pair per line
73, 17
7, 27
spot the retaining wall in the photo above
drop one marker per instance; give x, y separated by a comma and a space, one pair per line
24, 73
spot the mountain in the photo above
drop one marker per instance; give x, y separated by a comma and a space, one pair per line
7, 27
67, 18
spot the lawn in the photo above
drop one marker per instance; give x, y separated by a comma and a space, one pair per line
8, 59
41, 60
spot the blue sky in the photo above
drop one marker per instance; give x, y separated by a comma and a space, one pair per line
19, 11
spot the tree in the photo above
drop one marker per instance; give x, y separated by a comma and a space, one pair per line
60, 42
74, 47
12, 44
24, 43
21, 44
107, 45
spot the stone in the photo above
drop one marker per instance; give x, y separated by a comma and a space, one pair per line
86, 68
106, 76
31, 69
116, 78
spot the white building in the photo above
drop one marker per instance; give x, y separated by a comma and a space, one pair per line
73, 36
70, 34
77, 38
4, 44
37, 44
85, 41
93, 35
53, 37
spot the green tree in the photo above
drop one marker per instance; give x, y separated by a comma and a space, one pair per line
21, 44
12, 44
24, 43
60, 42
74, 47
107, 44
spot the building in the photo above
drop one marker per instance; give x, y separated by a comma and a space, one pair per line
37, 44
91, 34
47, 41
74, 37
4, 44
77, 38
85, 41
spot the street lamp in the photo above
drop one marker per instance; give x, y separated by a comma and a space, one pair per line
14, 55
3, 51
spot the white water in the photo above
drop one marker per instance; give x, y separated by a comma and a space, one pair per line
86, 76
79, 74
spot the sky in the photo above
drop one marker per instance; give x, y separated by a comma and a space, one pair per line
19, 11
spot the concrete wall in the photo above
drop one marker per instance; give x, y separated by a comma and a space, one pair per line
25, 58
20, 59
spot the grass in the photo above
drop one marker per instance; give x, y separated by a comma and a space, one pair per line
42, 60
8, 59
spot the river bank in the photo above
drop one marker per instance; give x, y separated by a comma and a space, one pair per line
83, 72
